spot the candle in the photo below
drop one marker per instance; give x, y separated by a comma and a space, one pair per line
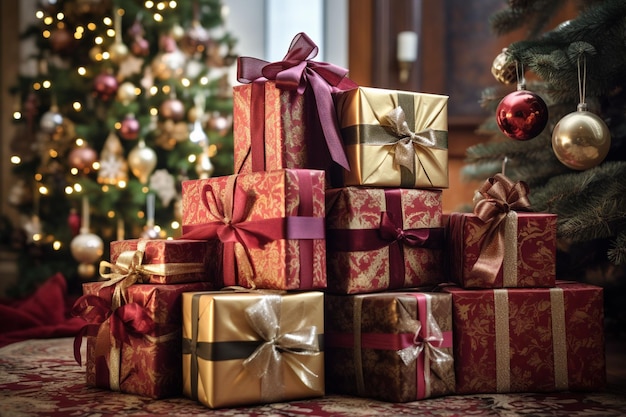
407, 46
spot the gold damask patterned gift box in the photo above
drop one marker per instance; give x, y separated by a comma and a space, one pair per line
383, 238
134, 336
394, 138
269, 226
392, 346
252, 347
529, 339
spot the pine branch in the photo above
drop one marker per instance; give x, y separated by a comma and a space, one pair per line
617, 253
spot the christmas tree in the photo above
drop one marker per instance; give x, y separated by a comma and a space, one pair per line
575, 166
129, 98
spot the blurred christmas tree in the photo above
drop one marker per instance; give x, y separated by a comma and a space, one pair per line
130, 98
576, 166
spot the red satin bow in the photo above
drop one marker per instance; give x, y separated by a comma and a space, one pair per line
130, 319
295, 72
393, 232
94, 310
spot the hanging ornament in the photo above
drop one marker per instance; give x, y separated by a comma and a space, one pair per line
105, 86
113, 167
140, 46
204, 166
522, 114
195, 39
172, 109
197, 134
73, 221
51, 121
170, 62
86, 247
142, 161
129, 127
164, 185
82, 158
503, 68
126, 93
220, 124
150, 230
117, 51
581, 140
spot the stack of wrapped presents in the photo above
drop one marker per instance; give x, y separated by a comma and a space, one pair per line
325, 264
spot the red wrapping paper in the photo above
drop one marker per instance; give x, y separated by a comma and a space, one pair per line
534, 255
147, 329
270, 225
168, 255
394, 346
529, 340
380, 239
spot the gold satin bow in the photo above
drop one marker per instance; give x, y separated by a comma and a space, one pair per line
280, 344
495, 199
404, 148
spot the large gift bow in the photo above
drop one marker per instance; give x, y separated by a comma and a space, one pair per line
284, 339
297, 71
498, 199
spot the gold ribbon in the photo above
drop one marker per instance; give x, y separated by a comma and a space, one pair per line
497, 197
404, 148
285, 339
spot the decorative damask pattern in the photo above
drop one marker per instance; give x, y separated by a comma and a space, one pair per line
41, 378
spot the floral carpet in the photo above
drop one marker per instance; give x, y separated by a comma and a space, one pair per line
41, 378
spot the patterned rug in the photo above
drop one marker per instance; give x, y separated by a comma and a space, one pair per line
41, 378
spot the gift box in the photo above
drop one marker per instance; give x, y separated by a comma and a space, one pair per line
498, 247
134, 337
529, 339
252, 347
283, 116
394, 138
379, 239
160, 261
270, 226
392, 346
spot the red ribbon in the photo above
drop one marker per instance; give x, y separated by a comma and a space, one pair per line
130, 320
390, 233
294, 73
232, 227
95, 310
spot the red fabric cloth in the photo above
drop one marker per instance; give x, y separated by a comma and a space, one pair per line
46, 313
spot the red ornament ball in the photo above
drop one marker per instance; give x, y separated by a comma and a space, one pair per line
105, 86
129, 128
173, 109
82, 158
140, 47
522, 115
74, 221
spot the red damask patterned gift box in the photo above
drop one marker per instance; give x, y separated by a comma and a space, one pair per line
392, 346
501, 244
383, 238
529, 339
161, 261
270, 226
134, 337
284, 115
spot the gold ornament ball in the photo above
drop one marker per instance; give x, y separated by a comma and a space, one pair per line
503, 68
581, 140
142, 161
87, 248
86, 271
126, 93
118, 52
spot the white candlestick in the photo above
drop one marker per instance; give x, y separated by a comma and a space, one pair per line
407, 46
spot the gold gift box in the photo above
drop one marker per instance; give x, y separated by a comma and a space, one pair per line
382, 150
252, 347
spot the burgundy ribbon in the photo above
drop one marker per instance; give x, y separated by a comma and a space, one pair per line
130, 320
294, 73
389, 234
232, 227
95, 310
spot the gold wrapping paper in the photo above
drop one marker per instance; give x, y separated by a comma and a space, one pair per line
378, 138
232, 376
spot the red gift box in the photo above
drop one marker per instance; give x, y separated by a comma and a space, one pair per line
270, 225
529, 339
393, 346
502, 245
285, 110
383, 238
161, 261
134, 337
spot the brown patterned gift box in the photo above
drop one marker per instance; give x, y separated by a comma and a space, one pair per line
498, 247
529, 339
252, 347
394, 138
161, 261
134, 337
392, 346
379, 239
284, 115
270, 225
